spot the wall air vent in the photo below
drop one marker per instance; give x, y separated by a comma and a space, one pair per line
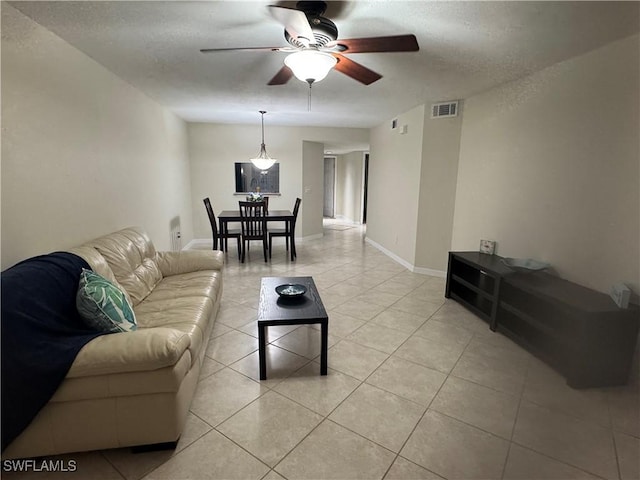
443, 110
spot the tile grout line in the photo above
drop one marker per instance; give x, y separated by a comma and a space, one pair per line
431, 402
515, 442
515, 420
613, 436
425, 410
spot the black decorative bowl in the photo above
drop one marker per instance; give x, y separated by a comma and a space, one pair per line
291, 290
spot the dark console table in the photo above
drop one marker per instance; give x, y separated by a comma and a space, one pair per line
578, 331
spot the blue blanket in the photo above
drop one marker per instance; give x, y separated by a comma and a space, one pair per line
41, 334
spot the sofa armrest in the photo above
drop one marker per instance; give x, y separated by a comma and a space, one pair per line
174, 263
141, 350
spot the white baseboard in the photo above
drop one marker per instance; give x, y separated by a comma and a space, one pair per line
430, 271
390, 254
421, 270
347, 220
309, 237
198, 243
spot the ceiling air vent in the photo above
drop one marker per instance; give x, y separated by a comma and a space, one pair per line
446, 109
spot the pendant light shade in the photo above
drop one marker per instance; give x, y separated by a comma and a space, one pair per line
310, 65
263, 161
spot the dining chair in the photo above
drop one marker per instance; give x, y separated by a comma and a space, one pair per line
289, 232
253, 221
217, 234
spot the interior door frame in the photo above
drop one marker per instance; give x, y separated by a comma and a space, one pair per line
333, 158
365, 186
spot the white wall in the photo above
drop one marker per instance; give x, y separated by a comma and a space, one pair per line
83, 152
395, 161
549, 168
313, 188
412, 189
214, 149
349, 185
438, 178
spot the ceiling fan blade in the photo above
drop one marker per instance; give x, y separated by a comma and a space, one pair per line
395, 43
246, 49
282, 77
355, 70
295, 22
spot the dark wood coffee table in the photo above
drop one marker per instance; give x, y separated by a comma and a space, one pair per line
305, 310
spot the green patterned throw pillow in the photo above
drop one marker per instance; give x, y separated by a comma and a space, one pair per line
102, 305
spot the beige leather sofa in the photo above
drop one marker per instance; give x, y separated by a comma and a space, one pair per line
134, 388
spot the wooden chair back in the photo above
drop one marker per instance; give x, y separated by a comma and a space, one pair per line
296, 207
253, 220
212, 221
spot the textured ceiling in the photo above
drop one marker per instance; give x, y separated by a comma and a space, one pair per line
465, 48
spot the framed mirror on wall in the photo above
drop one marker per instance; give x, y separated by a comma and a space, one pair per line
250, 178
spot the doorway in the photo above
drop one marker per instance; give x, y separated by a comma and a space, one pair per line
365, 188
329, 187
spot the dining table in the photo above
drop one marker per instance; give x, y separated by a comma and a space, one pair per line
231, 216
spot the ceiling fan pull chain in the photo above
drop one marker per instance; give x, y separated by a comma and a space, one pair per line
309, 100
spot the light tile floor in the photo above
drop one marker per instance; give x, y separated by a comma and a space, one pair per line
418, 388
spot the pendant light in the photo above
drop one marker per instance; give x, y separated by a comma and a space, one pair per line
263, 161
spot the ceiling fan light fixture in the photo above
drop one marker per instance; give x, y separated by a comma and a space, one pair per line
263, 161
310, 65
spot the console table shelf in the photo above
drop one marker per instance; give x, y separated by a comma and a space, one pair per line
505, 309
473, 279
578, 331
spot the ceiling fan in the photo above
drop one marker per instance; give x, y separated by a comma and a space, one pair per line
315, 48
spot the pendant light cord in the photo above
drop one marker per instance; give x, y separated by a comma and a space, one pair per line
262, 112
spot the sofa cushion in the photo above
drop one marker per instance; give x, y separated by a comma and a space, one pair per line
99, 265
102, 305
194, 284
175, 263
189, 315
142, 350
160, 380
132, 258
